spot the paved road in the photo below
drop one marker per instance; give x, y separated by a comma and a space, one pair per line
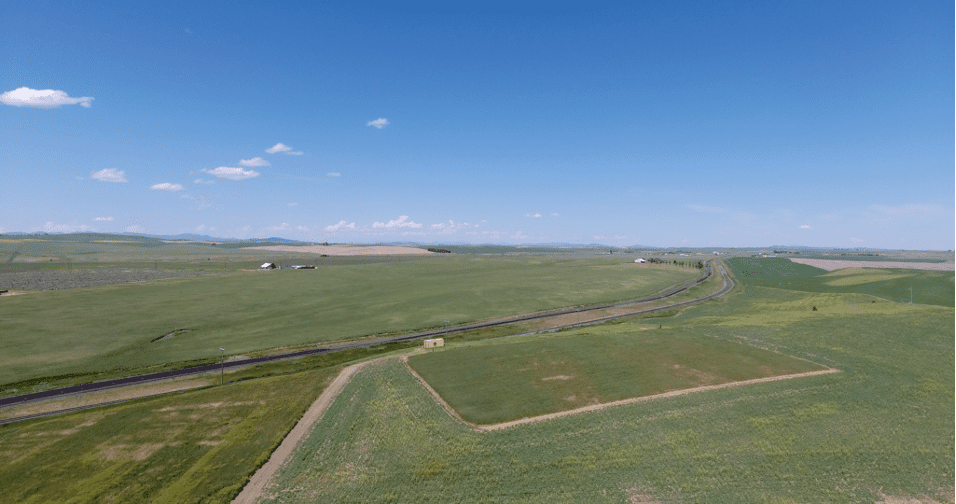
164, 375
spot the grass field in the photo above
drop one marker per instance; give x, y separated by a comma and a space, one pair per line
114, 327
497, 381
198, 446
882, 429
929, 287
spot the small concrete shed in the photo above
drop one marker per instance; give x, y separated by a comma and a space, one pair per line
434, 343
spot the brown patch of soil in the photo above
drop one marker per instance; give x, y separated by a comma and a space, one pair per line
558, 377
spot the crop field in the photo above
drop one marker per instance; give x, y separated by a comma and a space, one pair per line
494, 381
880, 430
198, 446
929, 287
79, 333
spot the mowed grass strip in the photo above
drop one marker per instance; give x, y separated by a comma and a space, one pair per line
114, 327
524, 377
198, 446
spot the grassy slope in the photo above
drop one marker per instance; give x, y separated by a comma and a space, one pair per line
884, 425
509, 379
110, 327
195, 447
929, 287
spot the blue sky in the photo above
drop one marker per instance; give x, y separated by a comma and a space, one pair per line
656, 123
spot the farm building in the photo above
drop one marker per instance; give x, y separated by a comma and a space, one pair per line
268, 266
433, 343
639, 260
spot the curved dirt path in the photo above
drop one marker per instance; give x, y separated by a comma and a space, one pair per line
253, 489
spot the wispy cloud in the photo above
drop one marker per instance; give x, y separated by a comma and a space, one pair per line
805, 226
379, 123
706, 209
256, 161
284, 149
106, 219
52, 227
166, 186
41, 98
907, 209
227, 172
204, 181
402, 222
340, 225
533, 215
293, 204
333, 174
110, 175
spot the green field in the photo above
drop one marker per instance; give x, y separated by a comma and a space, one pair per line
114, 327
929, 287
880, 429
198, 446
498, 381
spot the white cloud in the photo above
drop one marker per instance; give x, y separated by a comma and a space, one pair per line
282, 227
805, 226
52, 227
533, 216
293, 204
554, 215
110, 175
233, 173
333, 174
166, 186
41, 98
379, 123
340, 225
283, 148
204, 181
256, 161
303, 229
856, 240
401, 222
107, 219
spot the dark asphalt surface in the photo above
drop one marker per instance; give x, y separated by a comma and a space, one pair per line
164, 375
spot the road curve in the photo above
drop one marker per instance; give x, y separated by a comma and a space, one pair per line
164, 375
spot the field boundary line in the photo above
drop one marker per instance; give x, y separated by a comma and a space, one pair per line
597, 407
252, 491
438, 398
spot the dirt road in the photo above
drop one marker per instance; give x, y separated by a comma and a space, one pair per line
253, 490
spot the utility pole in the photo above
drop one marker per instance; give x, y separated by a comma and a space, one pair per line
911, 295
222, 362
